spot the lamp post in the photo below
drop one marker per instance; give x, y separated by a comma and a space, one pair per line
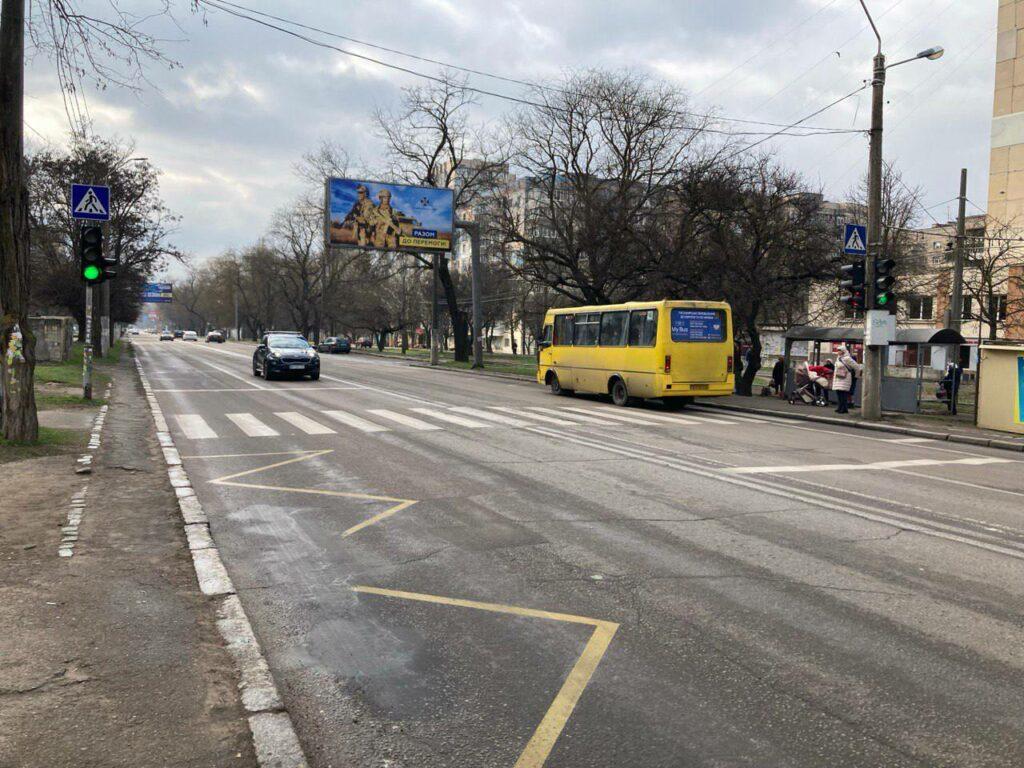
871, 399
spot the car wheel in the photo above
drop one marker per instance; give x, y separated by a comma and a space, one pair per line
620, 395
255, 370
266, 372
314, 376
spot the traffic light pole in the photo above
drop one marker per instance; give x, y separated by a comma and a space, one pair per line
871, 397
87, 352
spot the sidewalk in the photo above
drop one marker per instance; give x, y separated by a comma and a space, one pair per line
949, 428
111, 656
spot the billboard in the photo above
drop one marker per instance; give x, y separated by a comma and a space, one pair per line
157, 293
393, 217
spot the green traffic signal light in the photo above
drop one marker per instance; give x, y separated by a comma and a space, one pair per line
882, 299
90, 272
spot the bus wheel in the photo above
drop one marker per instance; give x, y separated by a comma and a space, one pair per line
556, 386
620, 396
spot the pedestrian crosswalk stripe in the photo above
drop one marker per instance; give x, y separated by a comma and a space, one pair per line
462, 421
304, 423
563, 420
495, 417
252, 426
194, 426
354, 421
590, 419
604, 414
648, 415
407, 421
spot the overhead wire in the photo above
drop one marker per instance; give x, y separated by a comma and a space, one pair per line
241, 11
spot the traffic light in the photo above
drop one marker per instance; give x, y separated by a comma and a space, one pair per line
884, 298
94, 266
851, 280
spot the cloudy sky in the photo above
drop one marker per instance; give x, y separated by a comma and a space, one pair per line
227, 126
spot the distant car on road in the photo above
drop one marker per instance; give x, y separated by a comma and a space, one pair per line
334, 345
215, 336
365, 342
284, 353
190, 336
178, 334
166, 336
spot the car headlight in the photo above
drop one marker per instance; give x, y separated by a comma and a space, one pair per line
310, 353
272, 355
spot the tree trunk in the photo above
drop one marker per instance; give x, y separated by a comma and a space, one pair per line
745, 384
460, 320
18, 420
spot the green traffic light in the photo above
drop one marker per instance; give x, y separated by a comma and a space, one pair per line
91, 272
883, 299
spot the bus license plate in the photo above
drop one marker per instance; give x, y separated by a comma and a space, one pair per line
698, 386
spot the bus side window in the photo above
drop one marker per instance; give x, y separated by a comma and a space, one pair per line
643, 327
587, 330
546, 337
613, 329
563, 330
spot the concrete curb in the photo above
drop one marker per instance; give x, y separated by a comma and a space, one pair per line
979, 440
273, 733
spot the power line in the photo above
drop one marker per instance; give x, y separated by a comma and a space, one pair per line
240, 11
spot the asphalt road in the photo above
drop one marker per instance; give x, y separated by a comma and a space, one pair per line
444, 574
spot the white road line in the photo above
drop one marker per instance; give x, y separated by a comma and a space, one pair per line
976, 486
251, 426
604, 414
195, 427
860, 467
911, 440
233, 375
564, 419
682, 419
559, 412
452, 418
495, 417
355, 421
407, 421
304, 423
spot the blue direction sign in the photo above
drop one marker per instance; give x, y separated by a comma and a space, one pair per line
157, 293
855, 240
90, 202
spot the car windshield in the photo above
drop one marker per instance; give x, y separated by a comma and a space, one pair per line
287, 342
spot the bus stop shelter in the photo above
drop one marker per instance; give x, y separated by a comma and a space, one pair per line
899, 393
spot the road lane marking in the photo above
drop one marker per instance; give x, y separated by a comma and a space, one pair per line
232, 480
251, 426
194, 426
354, 421
406, 421
881, 465
539, 747
304, 423
645, 419
497, 418
559, 413
275, 390
233, 375
451, 418
911, 440
964, 483
563, 419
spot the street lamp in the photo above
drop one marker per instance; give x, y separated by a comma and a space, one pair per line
871, 399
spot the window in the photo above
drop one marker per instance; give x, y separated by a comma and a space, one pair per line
563, 330
698, 325
613, 329
1000, 307
643, 327
546, 338
967, 311
919, 307
588, 328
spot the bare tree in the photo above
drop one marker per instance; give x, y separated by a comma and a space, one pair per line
296, 235
107, 50
429, 140
993, 283
602, 154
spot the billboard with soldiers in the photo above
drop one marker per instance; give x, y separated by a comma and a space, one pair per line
393, 217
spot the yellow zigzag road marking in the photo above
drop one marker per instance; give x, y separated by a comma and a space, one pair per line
230, 480
546, 734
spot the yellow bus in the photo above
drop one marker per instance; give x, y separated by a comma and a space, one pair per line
673, 350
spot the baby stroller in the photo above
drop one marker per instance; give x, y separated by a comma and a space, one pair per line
811, 389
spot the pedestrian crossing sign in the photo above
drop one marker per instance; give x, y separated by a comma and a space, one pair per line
90, 202
855, 240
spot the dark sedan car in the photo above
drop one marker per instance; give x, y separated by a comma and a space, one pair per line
334, 345
285, 353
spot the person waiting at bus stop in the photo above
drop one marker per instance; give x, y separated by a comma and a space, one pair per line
951, 384
846, 370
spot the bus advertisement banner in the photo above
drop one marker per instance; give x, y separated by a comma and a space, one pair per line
391, 217
698, 325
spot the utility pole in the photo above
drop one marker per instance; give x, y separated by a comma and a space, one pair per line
871, 399
956, 302
105, 319
238, 335
87, 352
434, 337
473, 229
